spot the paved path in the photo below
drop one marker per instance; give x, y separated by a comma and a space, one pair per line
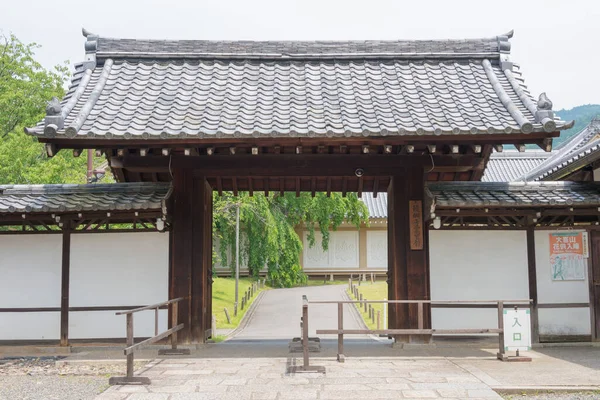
267, 378
277, 315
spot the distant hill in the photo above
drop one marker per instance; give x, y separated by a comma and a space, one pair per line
582, 116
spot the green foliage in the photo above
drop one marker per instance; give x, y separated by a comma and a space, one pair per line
25, 88
582, 116
269, 238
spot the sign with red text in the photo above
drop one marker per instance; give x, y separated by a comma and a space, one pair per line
568, 253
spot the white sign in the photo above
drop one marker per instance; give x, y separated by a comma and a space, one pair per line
517, 330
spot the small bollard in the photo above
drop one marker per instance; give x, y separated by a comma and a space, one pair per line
243, 302
370, 311
365, 305
213, 326
372, 316
235, 307
227, 315
350, 284
379, 319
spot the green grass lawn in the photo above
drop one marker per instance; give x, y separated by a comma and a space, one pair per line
223, 296
372, 291
321, 282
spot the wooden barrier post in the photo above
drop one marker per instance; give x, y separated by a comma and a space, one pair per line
501, 327
213, 326
130, 343
227, 315
379, 319
365, 303
350, 284
340, 356
420, 315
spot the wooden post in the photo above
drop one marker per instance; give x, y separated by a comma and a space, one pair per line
213, 326
379, 319
501, 326
350, 284
408, 243
64, 286
365, 303
227, 315
156, 321
420, 315
340, 355
532, 275
130, 343
181, 250
174, 319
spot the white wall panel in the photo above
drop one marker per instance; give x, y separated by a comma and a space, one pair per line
342, 252
116, 269
564, 321
476, 265
377, 252
30, 276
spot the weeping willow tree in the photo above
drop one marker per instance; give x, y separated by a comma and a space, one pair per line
269, 238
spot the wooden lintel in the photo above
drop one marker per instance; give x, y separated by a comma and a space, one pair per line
300, 164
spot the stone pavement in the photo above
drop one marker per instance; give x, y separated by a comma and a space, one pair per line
268, 378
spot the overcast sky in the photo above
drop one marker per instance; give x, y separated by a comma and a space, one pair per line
557, 43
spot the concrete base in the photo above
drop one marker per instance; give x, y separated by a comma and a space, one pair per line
504, 357
123, 380
413, 346
314, 345
295, 369
174, 352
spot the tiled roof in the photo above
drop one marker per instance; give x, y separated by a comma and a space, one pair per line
515, 194
76, 198
377, 206
509, 166
580, 150
206, 90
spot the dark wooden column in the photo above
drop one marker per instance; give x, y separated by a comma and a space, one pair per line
181, 250
64, 284
532, 276
408, 251
201, 260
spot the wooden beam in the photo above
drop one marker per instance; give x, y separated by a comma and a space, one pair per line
299, 165
234, 186
219, 186
532, 279
65, 281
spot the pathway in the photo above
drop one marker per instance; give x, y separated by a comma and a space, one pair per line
277, 315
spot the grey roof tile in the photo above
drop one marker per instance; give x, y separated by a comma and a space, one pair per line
149, 89
515, 194
377, 206
77, 198
510, 165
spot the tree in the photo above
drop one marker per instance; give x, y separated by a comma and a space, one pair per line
268, 224
25, 88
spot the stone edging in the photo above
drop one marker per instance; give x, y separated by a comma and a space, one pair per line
244, 322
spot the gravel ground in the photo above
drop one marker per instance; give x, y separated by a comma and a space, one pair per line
41, 379
556, 396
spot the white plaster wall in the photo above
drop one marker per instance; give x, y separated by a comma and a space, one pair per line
30, 271
476, 265
117, 269
377, 251
566, 321
342, 252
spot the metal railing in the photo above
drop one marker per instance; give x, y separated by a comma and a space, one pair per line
420, 330
132, 347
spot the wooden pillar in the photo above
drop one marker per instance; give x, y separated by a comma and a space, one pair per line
201, 309
408, 252
532, 277
64, 286
181, 250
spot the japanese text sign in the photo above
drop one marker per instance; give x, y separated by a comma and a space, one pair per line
517, 330
568, 250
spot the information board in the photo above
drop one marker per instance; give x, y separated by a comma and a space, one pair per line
568, 251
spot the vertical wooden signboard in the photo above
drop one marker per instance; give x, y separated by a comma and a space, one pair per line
415, 209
